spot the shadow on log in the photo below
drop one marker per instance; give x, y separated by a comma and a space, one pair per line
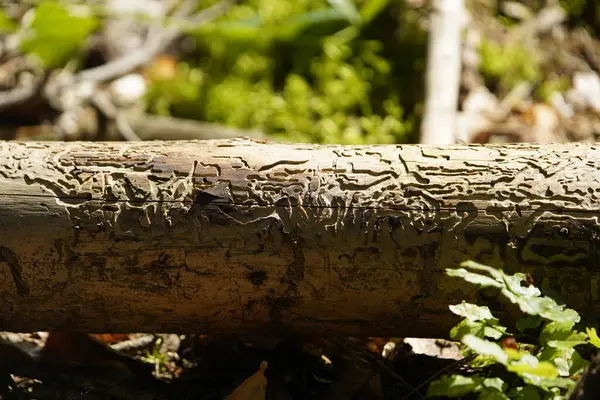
244, 236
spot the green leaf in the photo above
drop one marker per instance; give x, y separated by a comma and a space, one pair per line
554, 383
563, 366
526, 297
593, 336
578, 364
467, 327
549, 309
292, 27
7, 25
553, 394
348, 9
551, 354
494, 383
574, 339
243, 30
529, 322
474, 278
371, 9
561, 335
453, 386
542, 306
485, 347
492, 394
556, 330
476, 328
495, 273
57, 32
494, 332
515, 354
482, 361
542, 369
478, 321
472, 312
514, 284
525, 393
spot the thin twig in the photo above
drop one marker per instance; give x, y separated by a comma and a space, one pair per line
103, 105
158, 41
358, 354
16, 96
134, 343
379, 363
21, 95
125, 129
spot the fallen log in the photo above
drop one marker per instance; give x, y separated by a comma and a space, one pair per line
245, 236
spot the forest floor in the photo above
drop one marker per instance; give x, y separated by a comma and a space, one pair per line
169, 366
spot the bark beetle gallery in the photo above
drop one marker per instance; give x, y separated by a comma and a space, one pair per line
253, 236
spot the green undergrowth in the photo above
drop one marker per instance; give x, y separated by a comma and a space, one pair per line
505, 66
344, 71
540, 360
321, 71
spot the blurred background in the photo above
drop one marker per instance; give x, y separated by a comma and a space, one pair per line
316, 71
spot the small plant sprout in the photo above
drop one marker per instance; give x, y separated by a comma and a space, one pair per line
499, 366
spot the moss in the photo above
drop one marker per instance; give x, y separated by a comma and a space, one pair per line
505, 66
551, 86
302, 71
573, 7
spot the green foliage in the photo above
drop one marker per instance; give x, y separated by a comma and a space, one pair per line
156, 357
477, 320
309, 71
456, 386
573, 7
322, 71
543, 370
7, 25
178, 90
57, 32
593, 337
508, 65
551, 86
583, 13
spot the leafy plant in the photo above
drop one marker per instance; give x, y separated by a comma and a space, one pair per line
156, 358
544, 369
7, 25
552, 85
305, 71
508, 65
176, 87
57, 31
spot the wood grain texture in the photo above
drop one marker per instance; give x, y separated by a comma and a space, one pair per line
243, 236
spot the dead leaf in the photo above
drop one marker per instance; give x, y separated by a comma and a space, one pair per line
111, 338
87, 350
253, 388
163, 67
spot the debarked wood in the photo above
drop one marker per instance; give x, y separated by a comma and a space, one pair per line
247, 236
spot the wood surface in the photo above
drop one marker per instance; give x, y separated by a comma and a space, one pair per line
254, 237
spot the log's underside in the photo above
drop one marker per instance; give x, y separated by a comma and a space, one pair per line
242, 236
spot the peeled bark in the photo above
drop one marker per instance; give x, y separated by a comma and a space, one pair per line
242, 236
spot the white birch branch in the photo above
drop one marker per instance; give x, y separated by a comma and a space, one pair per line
443, 72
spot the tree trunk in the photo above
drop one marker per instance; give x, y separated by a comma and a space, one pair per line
444, 64
242, 236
